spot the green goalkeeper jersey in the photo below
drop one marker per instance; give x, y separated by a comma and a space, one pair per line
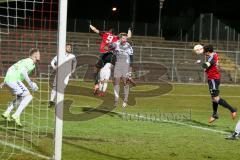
14, 73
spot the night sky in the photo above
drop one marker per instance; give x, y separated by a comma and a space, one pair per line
148, 11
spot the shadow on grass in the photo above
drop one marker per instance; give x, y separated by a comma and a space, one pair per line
93, 151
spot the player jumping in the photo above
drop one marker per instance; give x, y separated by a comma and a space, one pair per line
212, 71
107, 38
122, 67
13, 79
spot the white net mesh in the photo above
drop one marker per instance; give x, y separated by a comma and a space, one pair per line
26, 24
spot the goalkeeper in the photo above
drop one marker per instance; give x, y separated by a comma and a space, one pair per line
122, 67
13, 79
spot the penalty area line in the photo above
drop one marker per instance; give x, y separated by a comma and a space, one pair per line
24, 150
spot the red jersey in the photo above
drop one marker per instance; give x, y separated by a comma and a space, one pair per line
107, 37
212, 71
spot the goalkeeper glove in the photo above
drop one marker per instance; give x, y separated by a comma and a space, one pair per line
206, 65
34, 86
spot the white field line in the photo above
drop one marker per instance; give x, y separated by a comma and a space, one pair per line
175, 122
24, 150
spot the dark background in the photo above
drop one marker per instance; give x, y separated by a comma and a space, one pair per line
148, 11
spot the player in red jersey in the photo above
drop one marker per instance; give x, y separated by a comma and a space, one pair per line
108, 37
213, 74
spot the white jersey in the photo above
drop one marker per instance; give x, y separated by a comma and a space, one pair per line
69, 63
123, 53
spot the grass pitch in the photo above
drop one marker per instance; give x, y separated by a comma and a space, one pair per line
162, 122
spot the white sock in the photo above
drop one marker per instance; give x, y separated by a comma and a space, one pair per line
23, 104
126, 92
101, 86
116, 92
53, 95
13, 104
237, 129
105, 84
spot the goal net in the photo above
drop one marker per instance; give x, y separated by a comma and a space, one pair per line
26, 24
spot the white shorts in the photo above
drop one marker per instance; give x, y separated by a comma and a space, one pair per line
120, 72
105, 74
18, 88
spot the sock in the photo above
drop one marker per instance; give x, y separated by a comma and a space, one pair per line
215, 107
23, 104
13, 104
101, 86
223, 103
53, 95
96, 77
237, 129
116, 92
105, 84
126, 92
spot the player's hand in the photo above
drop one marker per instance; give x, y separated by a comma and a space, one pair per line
92, 27
206, 65
198, 62
34, 86
2, 84
129, 74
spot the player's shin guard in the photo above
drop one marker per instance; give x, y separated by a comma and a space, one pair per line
116, 92
96, 77
215, 107
105, 84
126, 92
223, 103
101, 86
13, 104
23, 104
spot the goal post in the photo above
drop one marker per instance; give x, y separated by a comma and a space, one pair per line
62, 26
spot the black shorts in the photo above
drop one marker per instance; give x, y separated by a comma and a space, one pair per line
214, 87
103, 59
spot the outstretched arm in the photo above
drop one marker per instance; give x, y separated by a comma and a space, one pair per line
129, 34
94, 29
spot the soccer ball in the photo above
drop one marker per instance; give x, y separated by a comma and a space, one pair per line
198, 49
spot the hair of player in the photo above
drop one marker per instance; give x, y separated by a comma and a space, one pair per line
208, 48
112, 30
122, 34
33, 50
68, 44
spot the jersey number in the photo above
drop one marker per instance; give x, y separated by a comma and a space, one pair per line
109, 39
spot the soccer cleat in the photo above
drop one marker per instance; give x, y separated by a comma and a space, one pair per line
51, 104
234, 115
124, 104
96, 89
101, 94
6, 116
213, 118
16, 119
233, 136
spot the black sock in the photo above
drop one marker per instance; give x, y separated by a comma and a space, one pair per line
223, 103
95, 77
215, 107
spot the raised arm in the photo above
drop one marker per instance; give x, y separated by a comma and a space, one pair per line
94, 29
129, 34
